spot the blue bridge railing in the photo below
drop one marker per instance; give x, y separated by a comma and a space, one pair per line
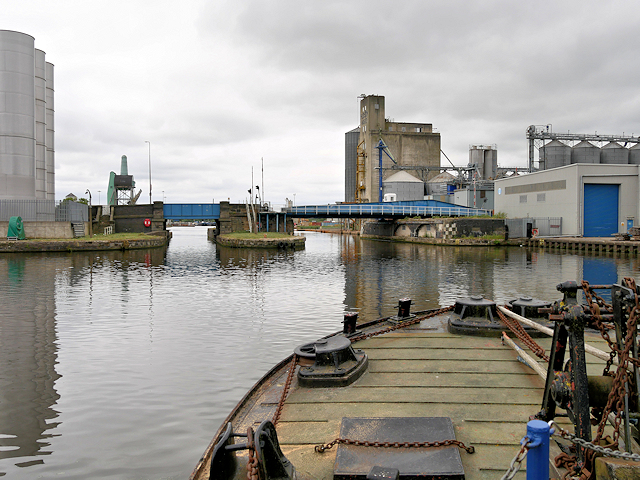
381, 210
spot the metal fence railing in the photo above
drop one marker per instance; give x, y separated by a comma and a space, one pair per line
44, 211
375, 210
546, 226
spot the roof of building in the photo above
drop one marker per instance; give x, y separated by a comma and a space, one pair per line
402, 176
443, 177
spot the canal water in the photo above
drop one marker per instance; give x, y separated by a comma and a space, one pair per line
124, 364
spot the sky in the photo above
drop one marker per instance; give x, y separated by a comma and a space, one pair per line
219, 87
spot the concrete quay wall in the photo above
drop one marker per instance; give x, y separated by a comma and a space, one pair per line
296, 243
44, 229
436, 228
13, 246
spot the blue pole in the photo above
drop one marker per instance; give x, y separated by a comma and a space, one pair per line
380, 172
538, 455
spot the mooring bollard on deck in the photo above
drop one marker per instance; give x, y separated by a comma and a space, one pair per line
404, 308
538, 433
350, 320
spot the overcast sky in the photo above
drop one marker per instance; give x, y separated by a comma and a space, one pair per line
217, 85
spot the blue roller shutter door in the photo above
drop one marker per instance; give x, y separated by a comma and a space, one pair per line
600, 210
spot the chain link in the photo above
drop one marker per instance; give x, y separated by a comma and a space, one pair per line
561, 432
413, 321
516, 463
519, 331
253, 472
285, 390
441, 443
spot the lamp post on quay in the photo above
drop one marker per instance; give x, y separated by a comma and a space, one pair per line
147, 141
90, 214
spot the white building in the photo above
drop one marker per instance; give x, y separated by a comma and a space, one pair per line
593, 200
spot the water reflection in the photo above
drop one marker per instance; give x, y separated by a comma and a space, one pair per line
123, 364
28, 354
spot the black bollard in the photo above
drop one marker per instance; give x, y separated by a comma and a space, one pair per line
350, 320
404, 308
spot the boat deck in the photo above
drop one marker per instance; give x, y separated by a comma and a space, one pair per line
476, 381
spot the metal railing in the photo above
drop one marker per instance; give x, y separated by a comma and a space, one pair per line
381, 210
44, 211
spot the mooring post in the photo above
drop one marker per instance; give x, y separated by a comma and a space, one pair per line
538, 433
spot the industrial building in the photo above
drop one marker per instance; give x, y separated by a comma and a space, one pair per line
404, 146
27, 166
591, 200
588, 184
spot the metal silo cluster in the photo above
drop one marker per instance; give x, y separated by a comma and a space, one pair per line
557, 154
27, 166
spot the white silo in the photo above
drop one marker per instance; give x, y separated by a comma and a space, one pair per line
634, 154
613, 153
585, 152
17, 116
40, 87
50, 166
555, 154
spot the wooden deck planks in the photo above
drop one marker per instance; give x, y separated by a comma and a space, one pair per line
447, 395
462, 380
475, 381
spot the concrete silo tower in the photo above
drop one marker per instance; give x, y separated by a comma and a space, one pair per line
26, 120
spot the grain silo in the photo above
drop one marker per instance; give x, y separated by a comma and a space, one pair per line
17, 116
634, 154
555, 154
26, 138
485, 159
613, 153
585, 152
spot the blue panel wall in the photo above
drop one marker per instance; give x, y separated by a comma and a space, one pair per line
191, 211
600, 210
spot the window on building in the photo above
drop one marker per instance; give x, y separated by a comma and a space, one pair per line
483, 193
418, 129
404, 129
542, 197
391, 128
523, 199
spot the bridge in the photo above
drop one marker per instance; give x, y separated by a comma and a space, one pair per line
426, 208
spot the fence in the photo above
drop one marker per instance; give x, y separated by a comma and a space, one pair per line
44, 211
546, 226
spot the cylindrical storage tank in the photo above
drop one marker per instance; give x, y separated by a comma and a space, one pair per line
614, 154
49, 137
634, 154
17, 116
476, 157
555, 154
490, 170
585, 152
40, 88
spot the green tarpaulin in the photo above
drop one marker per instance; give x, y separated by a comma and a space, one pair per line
16, 230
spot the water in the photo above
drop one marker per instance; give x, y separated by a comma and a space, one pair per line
124, 364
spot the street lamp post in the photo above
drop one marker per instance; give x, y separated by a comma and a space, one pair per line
90, 215
147, 141
99, 197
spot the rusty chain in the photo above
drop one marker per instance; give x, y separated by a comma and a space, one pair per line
253, 472
285, 390
519, 331
621, 377
348, 441
413, 321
